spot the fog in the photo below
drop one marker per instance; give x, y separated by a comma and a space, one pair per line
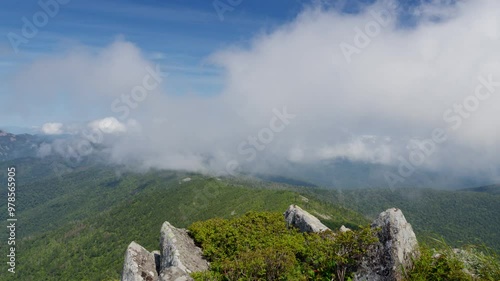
326, 86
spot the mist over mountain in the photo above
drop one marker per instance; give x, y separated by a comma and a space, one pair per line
71, 151
211, 118
298, 95
14, 146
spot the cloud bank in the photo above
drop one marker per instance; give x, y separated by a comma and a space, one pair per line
52, 128
394, 88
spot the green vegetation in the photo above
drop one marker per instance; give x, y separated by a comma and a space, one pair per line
259, 246
78, 225
80, 231
489, 189
460, 217
468, 264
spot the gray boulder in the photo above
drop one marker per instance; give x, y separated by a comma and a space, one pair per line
139, 264
396, 249
344, 229
179, 255
302, 220
157, 256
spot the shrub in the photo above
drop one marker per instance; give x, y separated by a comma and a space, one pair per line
259, 246
262, 264
455, 264
337, 254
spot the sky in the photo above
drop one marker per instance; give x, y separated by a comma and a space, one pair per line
213, 85
180, 35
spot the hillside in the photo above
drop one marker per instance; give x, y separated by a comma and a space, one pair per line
490, 189
16, 146
73, 225
460, 217
85, 225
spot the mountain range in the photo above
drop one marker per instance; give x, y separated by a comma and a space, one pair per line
75, 220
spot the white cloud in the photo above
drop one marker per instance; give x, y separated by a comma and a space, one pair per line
108, 125
84, 78
364, 148
52, 128
44, 150
397, 87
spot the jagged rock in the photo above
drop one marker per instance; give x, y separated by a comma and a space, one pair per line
139, 264
302, 220
179, 255
157, 256
344, 229
396, 249
174, 274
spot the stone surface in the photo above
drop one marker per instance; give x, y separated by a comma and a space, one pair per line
174, 274
396, 249
344, 229
179, 255
302, 220
157, 256
139, 264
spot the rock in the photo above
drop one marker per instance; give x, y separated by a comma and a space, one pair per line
175, 274
302, 220
396, 249
344, 229
157, 256
139, 264
179, 255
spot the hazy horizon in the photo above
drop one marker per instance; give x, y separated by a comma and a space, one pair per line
412, 87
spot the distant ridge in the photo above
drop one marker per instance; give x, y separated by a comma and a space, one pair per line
490, 189
17, 146
285, 180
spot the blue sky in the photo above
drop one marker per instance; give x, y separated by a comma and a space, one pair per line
227, 78
178, 34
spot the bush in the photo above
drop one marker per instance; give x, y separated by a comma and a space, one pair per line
259, 246
455, 264
256, 246
337, 255
262, 264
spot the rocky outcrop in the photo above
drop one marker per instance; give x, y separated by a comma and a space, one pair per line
385, 261
344, 229
179, 255
178, 258
396, 249
139, 264
157, 255
302, 220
